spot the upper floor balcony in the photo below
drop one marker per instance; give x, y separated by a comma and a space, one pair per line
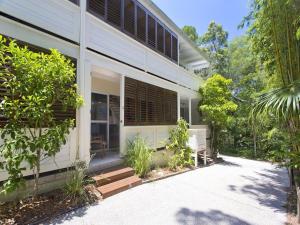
136, 32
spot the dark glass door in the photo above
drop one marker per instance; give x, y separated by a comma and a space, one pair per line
105, 117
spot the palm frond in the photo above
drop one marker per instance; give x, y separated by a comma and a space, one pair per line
282, 102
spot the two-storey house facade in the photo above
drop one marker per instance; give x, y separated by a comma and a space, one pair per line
131, 62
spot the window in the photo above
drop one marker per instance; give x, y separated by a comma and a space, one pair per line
146, 104
184, 109
151, 31
114, 12
129, 16
168, 43
160, 38
96, 7
130, 108
141, 24
174, 48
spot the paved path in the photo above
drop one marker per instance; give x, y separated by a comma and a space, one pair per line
236, 192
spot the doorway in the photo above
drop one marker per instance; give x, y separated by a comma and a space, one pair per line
105, 127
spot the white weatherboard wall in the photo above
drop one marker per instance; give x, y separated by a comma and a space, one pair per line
58, 16
155, 136
64, 158
104, 38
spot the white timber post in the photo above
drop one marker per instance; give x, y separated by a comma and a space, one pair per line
122, 106
178, 106
85, 91
190, 111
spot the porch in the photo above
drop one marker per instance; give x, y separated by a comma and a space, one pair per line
109, 122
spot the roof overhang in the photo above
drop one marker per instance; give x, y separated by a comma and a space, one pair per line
189, 51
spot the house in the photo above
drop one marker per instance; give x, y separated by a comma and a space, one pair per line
134, 71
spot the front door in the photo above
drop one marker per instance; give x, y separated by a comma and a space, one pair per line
105, 117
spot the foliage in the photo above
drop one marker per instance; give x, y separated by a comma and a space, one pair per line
275, 39
139, 156
241, 60
217, 106
74, 187
35, 83
191, 32
215, 43
178, 144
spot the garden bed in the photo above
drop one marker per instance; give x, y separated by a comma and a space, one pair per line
162, 173
43, 208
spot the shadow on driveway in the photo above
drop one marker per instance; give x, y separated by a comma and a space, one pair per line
186, 216
266, 188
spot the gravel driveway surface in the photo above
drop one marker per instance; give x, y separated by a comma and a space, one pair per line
236, 192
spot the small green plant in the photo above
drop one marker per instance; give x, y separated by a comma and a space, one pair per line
74, 187
178, 144
139, 156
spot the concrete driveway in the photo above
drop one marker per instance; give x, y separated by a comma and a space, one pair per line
236, 192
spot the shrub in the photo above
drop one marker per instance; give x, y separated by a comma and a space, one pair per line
75, 186
139, 156
178, 144
34, 84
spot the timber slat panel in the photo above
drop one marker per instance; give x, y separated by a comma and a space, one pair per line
112, 176
147, 104
119, 186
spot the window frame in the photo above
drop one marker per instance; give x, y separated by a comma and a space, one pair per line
135, 37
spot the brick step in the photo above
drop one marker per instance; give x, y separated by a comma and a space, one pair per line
115, 175
119, 186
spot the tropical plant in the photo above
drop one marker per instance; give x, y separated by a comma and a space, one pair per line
274, 35
34, 84
178, 144
139, 156
217, 107
75, 186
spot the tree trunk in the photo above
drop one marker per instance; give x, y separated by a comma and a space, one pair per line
298, 203
37, 173
254, 143
212, 143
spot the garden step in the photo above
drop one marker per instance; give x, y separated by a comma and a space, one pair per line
113, 176
119, 186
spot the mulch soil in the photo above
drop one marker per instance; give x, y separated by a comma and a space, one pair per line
292, 207
42, 208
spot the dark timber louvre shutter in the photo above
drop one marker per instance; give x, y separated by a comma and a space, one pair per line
168, 43
160, 38
96, 7
114, 12
142, 102
151, 31
146, 104
174, 49
129, 16
151, 104
141, 24
130, 101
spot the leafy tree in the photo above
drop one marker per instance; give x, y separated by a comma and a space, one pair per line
242, 62
35, 84
191, 32
274, 31
217, 106
215, 43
